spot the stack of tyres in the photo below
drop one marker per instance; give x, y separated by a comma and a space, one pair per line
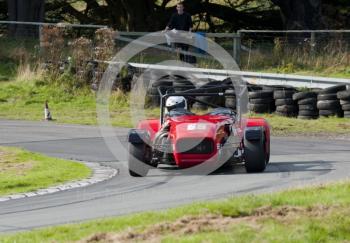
307, 102
152, 95
261, 101
253, 87
328, 102
182, 84
273, 88
230, 99
344, 97
198, 105
210, 87
285, 105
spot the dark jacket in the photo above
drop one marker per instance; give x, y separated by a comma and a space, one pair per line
180, 22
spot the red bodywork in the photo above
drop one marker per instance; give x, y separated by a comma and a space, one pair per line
213, 127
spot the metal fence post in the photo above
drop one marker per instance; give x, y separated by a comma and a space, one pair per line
313, 42
237, 48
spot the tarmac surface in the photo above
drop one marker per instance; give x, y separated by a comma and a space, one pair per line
294, 162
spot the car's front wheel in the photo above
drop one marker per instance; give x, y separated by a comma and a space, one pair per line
255, 154
137, 163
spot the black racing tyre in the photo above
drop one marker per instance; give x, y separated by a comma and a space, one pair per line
307, 117
328, 105
162, 83
308, 101
178, 77
316, 90
282, 94
346, 107
307, 107
287, 114
261, 101
215, 87
333, 89
326, 113
231, 103
183, 85
199, 106
327, 97
255, 155
286, 108
135, 159
252, 87
277, 87
153, 91
260, 108
230, 91
287, 101
205, 99
344, 95
344, 102
227, 81
230, 94
347, 114
260, 94
308, 113
304, 95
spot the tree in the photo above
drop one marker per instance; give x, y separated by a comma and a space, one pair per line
3, 10
223, 15
27, 11
152, 15
301, 14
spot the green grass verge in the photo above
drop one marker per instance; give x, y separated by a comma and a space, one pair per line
23, 171
293, 126
333, 72
314, 214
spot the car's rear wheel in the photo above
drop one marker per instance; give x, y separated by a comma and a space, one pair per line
137, 163
255, 154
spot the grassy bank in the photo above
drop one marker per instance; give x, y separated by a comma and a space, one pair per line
284, 126
25, 100
23, 171
338, 72
299, 215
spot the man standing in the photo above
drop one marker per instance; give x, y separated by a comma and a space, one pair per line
180, 21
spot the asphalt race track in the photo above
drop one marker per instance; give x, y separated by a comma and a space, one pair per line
294, 162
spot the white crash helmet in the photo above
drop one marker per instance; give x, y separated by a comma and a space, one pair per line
175, 102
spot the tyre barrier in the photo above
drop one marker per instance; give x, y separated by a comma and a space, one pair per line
261, 101
344, 98
230, 101
216, 87
328, 102
152, 99
307, 105
283, 100
285, 105
181, 84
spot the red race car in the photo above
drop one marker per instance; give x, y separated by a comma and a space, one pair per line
186, 140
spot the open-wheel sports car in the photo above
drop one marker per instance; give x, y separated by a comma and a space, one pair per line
183, 139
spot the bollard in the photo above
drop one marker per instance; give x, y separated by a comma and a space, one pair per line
47, 112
